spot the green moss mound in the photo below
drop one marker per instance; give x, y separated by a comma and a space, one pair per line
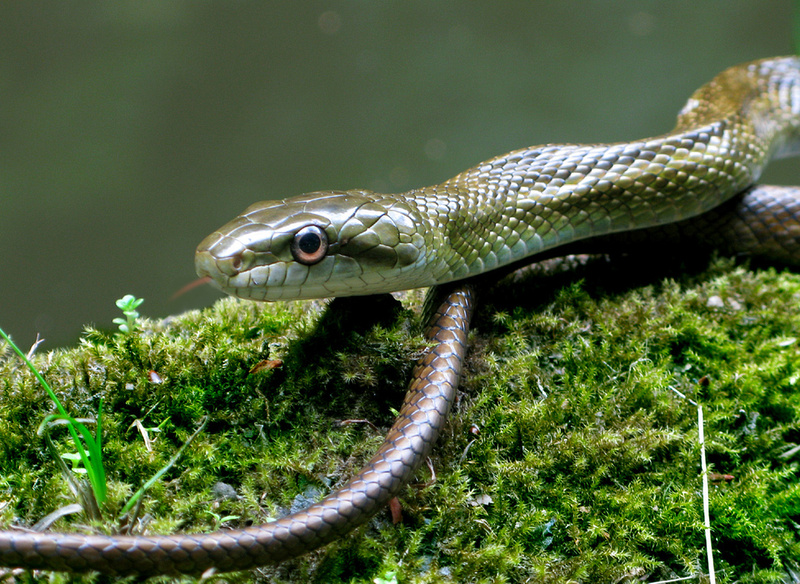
572, 455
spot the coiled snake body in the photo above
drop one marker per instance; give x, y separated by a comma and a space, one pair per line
504, 210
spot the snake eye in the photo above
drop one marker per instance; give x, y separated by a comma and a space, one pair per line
309, 245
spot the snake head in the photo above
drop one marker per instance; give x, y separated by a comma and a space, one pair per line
338, 243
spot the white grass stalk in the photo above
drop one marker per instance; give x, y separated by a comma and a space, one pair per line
706, 514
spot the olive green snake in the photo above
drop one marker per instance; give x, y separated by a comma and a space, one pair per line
695, 181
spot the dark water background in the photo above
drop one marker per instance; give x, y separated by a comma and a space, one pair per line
130, 130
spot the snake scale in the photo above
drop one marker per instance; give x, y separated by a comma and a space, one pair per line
508, 209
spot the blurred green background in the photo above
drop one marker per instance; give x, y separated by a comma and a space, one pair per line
130, 130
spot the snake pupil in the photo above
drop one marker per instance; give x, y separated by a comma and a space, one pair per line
309, 245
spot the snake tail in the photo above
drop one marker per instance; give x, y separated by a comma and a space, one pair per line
409, 441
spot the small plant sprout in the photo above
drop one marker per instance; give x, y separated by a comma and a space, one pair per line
387, 578
128, 305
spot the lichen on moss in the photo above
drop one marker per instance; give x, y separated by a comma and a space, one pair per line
570, 456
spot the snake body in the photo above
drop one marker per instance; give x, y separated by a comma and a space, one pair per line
500, 212
514, 206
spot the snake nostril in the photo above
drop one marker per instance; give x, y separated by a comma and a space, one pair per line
236, 263
223, 257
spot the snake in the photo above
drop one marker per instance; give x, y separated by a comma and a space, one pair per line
695, 182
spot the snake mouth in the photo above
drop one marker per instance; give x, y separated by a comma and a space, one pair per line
206, 268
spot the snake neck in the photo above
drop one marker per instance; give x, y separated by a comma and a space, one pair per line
531, 200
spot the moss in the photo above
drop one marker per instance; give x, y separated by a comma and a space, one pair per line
571, 456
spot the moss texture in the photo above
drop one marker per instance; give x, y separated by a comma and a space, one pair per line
570, 456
